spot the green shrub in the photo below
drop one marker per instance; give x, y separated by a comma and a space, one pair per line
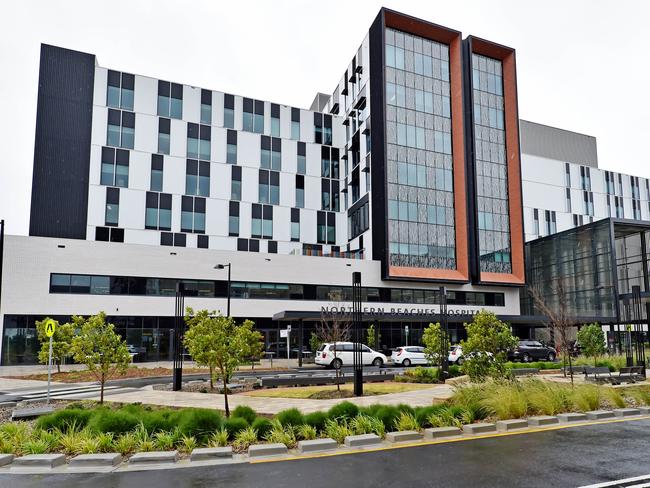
262, 425
163, 420
188, 443
403, 407
290, 417
545, 398
115, 421
90, 445
244, 438
450, 416
615, 397
200, 423
387, 414
406, 421
454, 370
316, 420
218, 438
470, 398
63, 419
505, 401
244, 412
307, 432
35, 446
281, 435
234, 425
105, 441
165, 441
126, 443
585, 398
343, 410
72, 441
422, 414
420, 375
337, 430
640, 396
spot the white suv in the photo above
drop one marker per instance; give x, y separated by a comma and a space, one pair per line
339, 354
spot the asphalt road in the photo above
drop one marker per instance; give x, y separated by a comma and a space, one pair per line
569, 457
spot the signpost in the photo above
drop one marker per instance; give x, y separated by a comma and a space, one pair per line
286, 333
50, 328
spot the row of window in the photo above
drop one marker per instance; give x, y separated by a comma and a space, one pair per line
142, 286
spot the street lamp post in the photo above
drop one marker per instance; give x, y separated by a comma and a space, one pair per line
357, 358
179, 326
444, 336
2, 245
224, 266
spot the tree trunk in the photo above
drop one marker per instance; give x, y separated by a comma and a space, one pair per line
211, 378
225, 394
58, 366
101, 388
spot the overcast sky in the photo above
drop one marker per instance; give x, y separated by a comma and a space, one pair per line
582, 65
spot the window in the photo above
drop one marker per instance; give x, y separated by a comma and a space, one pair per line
568, 200
253, 116
275, 120
330, 194
300, 191
115, 167
588, 198
323, 129
193, 214
235, 183
271, 153
202, 242
163, 135
109, 234
295, 225
206, 107
262, 221
121, 129
330, 187
536, 222
269, 187
120, 90
169, 239
231, 147
550, 222
358, 221
610, 184
233, 219
112, 206
229, 111
301, 167
567, 175
198, 141
295, 123
156, 172
636, 209
318, 128
326, 227
197, 178
170, 99
585, 178
158, 213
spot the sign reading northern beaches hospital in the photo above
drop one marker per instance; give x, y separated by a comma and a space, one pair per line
412, 312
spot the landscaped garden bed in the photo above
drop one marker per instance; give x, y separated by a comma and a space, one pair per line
330, 391
84, 427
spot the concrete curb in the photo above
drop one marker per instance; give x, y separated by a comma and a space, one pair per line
513, 424
483, 428
96, 460
211, 453
600, 415
47, 461
154, 457
317, 445
572, 417
627, 412
542, 420
403, 436
263, 450
442, 432
6, 459
363, 440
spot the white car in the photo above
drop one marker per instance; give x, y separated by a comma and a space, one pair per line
408, 355
339, 354
454, 355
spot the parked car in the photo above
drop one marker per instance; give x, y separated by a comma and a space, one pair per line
456, 355
408, 355
528, 351
339, 354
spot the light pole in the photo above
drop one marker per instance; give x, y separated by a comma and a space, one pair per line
2, 245
229, 266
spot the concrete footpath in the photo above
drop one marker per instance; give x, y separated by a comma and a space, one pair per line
149, 396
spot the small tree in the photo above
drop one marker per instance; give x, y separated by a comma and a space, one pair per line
314, 343
100, 348
373, 337
592, 340
487, 345
61, 342
334, 328
254, 342
432, 340
219, 343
